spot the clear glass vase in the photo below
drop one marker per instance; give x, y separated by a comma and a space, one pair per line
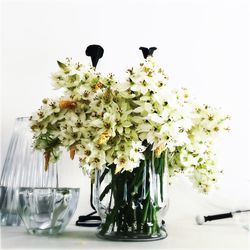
23, 167
132, 205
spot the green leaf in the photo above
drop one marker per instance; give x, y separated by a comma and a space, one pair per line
44, 141
62, 65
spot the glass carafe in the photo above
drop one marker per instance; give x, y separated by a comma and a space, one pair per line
23, 167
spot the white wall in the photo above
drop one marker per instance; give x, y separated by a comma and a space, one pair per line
204, 45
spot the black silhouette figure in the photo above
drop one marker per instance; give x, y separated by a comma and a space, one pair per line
147, 51
95, 52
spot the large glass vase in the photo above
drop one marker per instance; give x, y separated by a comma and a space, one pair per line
23, 167
132, 205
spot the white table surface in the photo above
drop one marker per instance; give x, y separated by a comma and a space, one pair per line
183, 233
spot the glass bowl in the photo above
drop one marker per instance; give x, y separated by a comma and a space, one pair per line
47, 210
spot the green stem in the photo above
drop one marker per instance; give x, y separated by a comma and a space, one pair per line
105, 191
136, 211
145, 210
106, 170
161, 173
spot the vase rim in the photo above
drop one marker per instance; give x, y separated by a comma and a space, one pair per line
48, 188
22, 118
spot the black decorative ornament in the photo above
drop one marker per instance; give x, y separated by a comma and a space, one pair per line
95, 52
91, 220
147, 51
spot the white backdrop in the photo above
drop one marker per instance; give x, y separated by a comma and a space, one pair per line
203, 44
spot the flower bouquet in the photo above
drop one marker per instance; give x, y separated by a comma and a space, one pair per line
130, 136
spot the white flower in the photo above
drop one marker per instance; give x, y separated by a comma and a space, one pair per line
113, 122
98, 160
136, 152
123, 163
121, 86
143, 106
155, 118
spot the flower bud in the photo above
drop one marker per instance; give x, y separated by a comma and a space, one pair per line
46, 160
72, 152
67, 104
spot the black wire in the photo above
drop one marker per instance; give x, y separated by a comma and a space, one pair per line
89, 220
91, 197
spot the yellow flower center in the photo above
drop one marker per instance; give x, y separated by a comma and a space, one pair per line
103, 138
98, 86
159, 150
